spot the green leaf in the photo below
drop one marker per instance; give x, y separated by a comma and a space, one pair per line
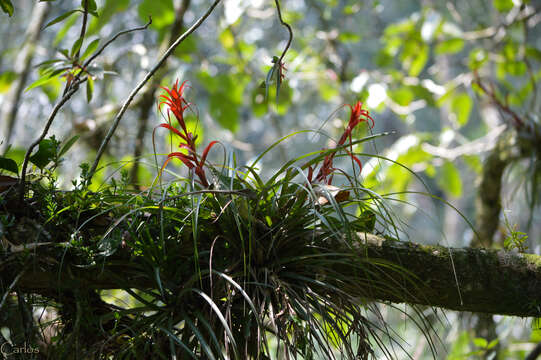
349, 37
89, 88
6, 78
90, 49
9, 165
403, 96
46, 152
503, 5
419, 62
76, 46
61, 17
513, 68
68, 145
48, 62
450, 46
449, 179
44, 79
7, 7
462, 105
480, 342
477, 58
91, 5
61, 34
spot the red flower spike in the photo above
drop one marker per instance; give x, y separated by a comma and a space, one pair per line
357, 116
176, 103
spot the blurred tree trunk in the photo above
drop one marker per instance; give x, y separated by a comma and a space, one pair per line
22, 66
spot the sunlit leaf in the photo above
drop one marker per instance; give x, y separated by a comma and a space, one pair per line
227, 39
480, 342
461, 105
503, 5
90, 49
450, 46
513, 68
6, 78
477, 58
44, 79
402, 96
89, 88
349, 37
419, 62
76, 46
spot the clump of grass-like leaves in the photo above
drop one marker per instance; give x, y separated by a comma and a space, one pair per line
227, 265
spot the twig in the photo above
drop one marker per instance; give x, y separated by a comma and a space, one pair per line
98, 53
83, 27
72, 90
288, 29
518, 123
81, 37
57, 107
11, 286
134, 92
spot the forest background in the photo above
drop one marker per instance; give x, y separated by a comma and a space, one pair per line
453, 84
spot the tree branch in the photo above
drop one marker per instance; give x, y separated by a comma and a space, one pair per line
490, 281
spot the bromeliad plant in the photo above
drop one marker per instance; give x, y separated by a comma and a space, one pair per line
254, 269
244, 269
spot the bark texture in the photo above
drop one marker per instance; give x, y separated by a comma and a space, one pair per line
468, 279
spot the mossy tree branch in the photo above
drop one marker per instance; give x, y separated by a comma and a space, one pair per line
490, 281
